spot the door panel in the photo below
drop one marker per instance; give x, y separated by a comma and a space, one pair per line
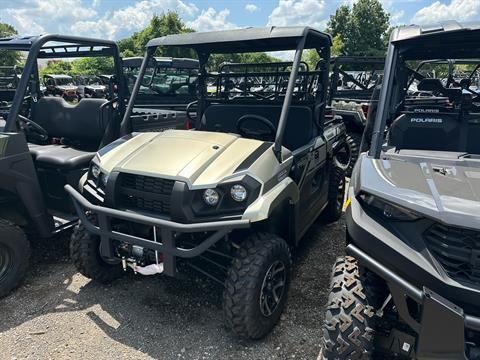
312, 184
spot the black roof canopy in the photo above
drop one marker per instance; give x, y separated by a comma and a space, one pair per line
449, 39
246, 40
63, 46
163, 62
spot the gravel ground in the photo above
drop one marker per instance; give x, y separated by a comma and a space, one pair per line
60, 314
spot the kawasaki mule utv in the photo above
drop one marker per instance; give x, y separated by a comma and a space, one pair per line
410, 285
228, 199
352, 82
45, 144
90, 86
60, 85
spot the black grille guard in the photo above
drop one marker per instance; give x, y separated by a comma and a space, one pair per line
168, 229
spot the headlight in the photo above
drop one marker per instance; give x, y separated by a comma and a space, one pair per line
387, 209
211, 197
238, 192
104, 178
95, 171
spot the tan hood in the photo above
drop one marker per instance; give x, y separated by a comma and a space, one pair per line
198, 157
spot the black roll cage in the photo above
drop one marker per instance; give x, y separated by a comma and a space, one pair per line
451, 63
241, 41
336, 64
70, 47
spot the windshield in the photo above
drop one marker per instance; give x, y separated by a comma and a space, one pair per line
434, 106
64, 81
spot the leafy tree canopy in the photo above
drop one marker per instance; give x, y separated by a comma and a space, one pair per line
362, 29
8, 58
165, 24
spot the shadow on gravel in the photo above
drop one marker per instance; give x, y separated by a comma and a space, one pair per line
169, 318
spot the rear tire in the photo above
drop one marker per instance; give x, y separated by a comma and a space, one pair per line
351, 153
85, 254
257, 284
336, 195
348, 330
14, 256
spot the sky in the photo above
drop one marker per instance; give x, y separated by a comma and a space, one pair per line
115, 19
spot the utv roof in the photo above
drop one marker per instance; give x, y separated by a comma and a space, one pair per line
357, 60
449, 39
183, 63
62, 45
246, 40
58, 76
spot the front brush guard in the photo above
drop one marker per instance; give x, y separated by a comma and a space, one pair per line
168, 231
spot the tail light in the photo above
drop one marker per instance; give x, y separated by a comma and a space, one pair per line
365, 110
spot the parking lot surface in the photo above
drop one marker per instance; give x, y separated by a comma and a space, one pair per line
60, 314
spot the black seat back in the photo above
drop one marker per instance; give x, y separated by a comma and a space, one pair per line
424, 131
473, 134
81, 123
300, 128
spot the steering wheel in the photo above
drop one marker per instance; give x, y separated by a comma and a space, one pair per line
188, 110
32, 128
265, 135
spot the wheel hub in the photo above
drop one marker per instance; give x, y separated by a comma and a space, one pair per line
273, 288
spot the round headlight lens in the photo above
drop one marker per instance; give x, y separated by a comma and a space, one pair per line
95, 171
238, 192
211, 197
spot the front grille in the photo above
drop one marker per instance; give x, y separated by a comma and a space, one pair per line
147, 183
145, 193
457, 250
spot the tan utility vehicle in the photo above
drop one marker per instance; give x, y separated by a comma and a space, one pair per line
229, 199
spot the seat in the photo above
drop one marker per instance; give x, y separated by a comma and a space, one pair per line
60, 157
426, 131
81, 125
300, 128
473, 134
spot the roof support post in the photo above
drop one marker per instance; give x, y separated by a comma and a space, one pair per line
383, 109
202, 90
282, 123
125, 126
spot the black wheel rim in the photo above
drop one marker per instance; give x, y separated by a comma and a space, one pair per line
273, 288
6, 262
344, 156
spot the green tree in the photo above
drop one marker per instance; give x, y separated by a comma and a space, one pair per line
56, 67
9, 57
363, 29
338, 26
93, 66
216, 60
165, 24
127, 47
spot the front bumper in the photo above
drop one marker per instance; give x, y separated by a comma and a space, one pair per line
169, 230
442, 323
